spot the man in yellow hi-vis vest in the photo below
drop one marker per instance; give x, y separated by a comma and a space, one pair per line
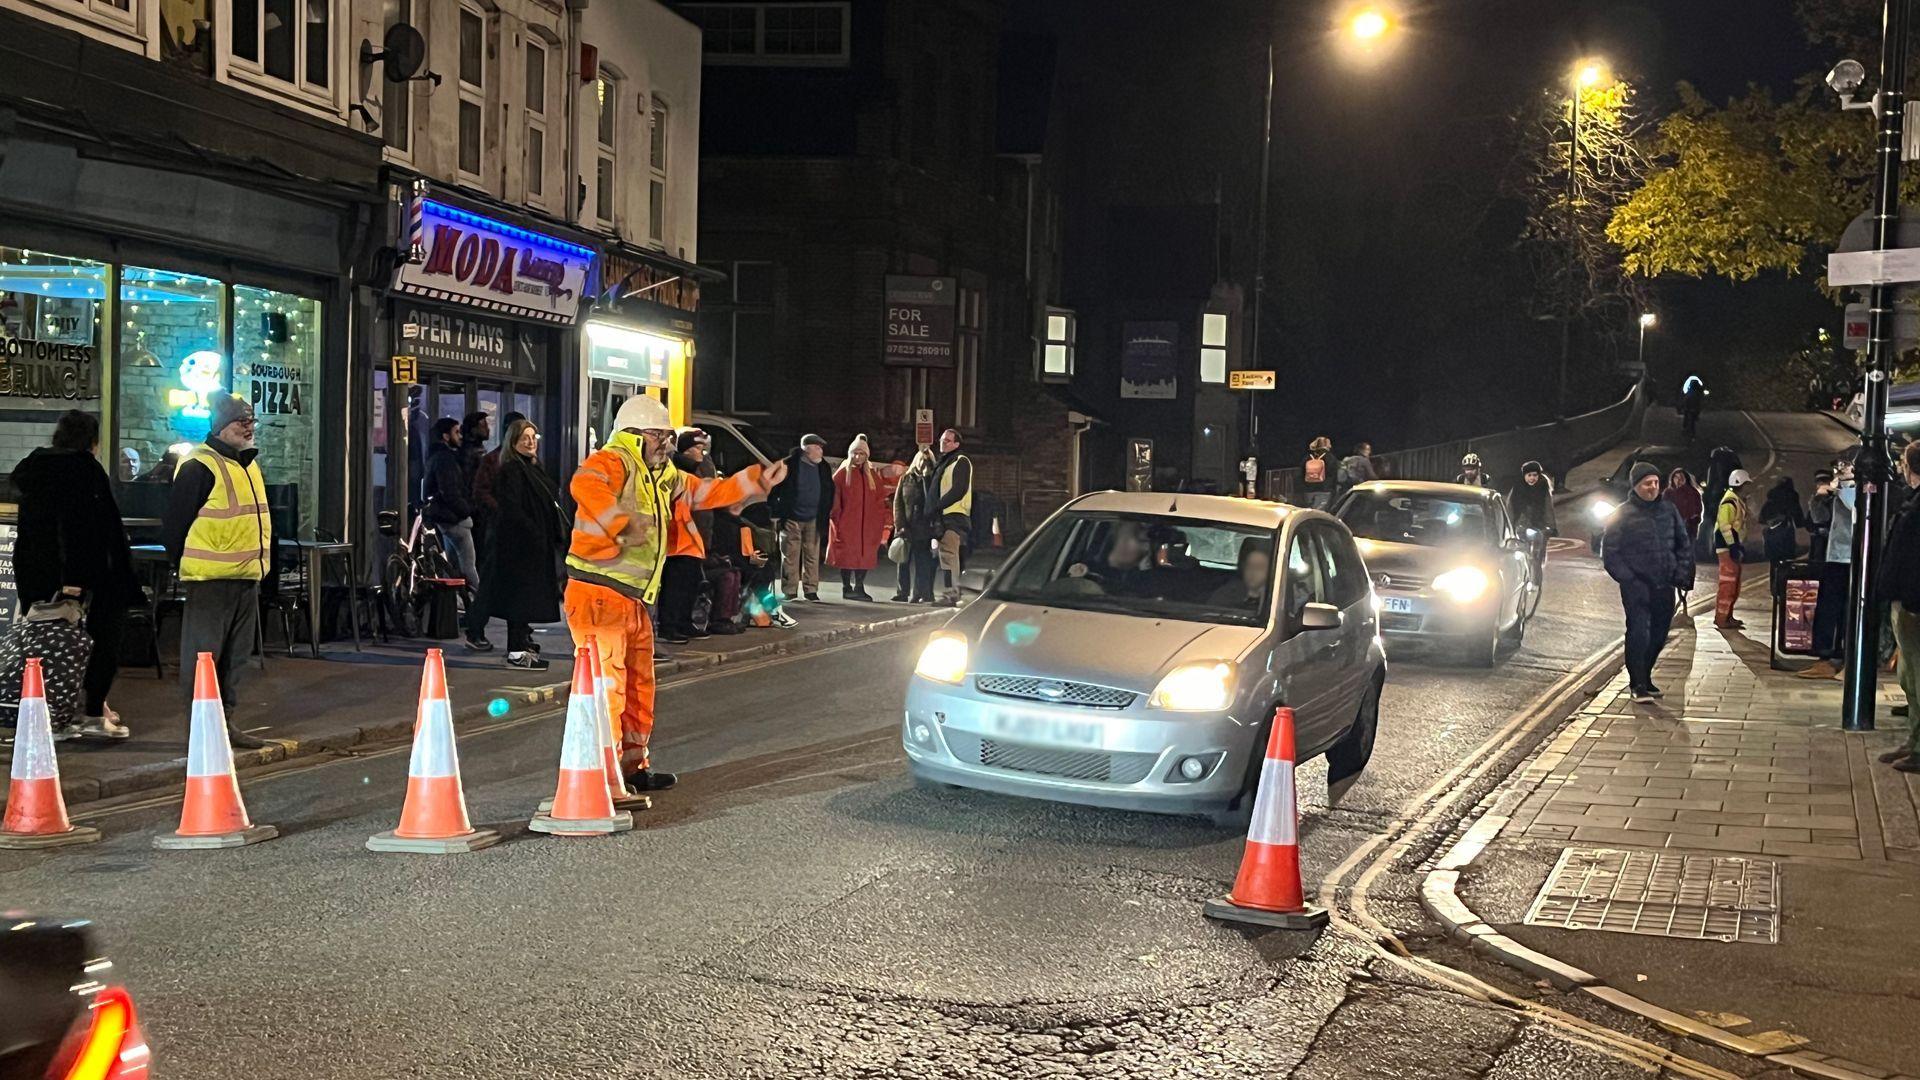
953, 506
218, 531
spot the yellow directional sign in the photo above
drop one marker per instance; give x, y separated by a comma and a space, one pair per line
1250, 380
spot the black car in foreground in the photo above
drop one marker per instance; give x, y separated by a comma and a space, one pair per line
62, 1015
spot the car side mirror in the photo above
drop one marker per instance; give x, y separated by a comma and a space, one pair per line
1321, 617
975, 580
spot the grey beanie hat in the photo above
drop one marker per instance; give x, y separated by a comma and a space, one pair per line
226, 409
1641, 470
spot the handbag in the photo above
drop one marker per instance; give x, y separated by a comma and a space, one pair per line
897, 550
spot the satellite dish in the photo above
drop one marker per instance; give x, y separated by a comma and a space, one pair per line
403, 51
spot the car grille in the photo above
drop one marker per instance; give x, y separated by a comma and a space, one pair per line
1055, 691
1400, 623
1098, 765
1406, 582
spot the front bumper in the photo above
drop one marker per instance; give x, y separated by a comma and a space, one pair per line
1125, 759
1430, 616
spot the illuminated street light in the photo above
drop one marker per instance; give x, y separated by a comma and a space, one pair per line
1369, 24
1590, 73
1648, 320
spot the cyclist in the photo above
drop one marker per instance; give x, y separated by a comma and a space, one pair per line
1693, 394
1473, 471
1531, 503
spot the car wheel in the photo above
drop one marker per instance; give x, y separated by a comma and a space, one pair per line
1351, 754
1517, 633
1485, 651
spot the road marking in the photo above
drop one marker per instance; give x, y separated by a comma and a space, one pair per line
1405, 830
325, 761
1773, 450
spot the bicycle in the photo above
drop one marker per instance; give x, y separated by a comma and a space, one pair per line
407, 580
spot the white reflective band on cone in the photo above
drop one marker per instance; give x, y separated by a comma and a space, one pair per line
33, 742
1273, 810
208, 753
433, 751
580, 747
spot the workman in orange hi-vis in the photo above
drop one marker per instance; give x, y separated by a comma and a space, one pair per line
626, 494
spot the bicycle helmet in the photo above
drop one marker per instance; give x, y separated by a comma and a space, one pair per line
1471, 461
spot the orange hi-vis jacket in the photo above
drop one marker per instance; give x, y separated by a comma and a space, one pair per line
625, 512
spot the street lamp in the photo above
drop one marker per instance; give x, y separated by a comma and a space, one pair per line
1365, 29
1648, 320
1871, 466
1588, 73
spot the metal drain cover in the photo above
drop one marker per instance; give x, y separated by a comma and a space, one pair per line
1699, 897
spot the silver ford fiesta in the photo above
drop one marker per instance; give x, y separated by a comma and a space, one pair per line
1132, 651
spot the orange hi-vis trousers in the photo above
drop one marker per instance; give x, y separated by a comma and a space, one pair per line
623, 635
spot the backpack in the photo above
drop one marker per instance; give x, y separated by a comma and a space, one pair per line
1315, 470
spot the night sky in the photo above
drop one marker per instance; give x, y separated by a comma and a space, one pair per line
1388, 304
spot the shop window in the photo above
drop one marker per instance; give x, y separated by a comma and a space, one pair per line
276, 367
285, 42
606, 138
473, 91
966, 359
1057, 355
657, 168
51, 312
396, 99
172, 356
1213, 348
536, 122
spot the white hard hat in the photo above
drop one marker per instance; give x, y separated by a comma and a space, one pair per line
642, 413
1739, 477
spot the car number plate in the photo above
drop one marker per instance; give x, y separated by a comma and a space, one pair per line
1398, 604
1046, 730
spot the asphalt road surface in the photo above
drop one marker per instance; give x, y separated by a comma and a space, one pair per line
798, 908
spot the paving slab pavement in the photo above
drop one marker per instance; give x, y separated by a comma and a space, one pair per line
1737, 761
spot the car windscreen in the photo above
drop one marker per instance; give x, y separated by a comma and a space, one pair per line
1146, 565
1399, 517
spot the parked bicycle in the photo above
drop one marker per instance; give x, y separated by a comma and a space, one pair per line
418, 561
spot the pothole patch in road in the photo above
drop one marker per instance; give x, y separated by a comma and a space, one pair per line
1004, 937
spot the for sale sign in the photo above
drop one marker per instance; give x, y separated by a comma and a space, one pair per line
920, 321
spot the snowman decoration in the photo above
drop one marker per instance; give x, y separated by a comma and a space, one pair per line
200, 374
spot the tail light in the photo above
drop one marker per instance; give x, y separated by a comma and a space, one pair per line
107, 1043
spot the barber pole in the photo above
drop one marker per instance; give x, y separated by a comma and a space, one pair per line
1267, 891
416, 225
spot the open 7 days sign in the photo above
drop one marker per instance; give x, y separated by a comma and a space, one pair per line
470, 259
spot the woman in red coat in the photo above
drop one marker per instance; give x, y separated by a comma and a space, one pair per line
858, 521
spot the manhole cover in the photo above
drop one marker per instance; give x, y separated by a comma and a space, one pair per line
1700, 897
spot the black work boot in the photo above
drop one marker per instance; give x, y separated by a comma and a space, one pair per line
650, 779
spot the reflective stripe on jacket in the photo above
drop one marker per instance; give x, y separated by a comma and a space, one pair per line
625, 510
232, 533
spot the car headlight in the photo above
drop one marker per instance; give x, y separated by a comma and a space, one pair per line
1203, 687
1462, 584
944, 659
1602, 510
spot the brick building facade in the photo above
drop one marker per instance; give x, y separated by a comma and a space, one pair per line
845, 145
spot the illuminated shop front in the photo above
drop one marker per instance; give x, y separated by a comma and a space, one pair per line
638, 338
142, 347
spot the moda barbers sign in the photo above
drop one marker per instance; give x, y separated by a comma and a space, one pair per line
469, 259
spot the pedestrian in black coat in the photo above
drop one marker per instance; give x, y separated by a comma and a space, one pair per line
1647, 551
519, 581
1899, 588
70, 541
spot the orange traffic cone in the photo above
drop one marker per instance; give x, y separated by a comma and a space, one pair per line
434, 819
212, 816
583, 803
36, 811
623, 799
609, 745
1267, 891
